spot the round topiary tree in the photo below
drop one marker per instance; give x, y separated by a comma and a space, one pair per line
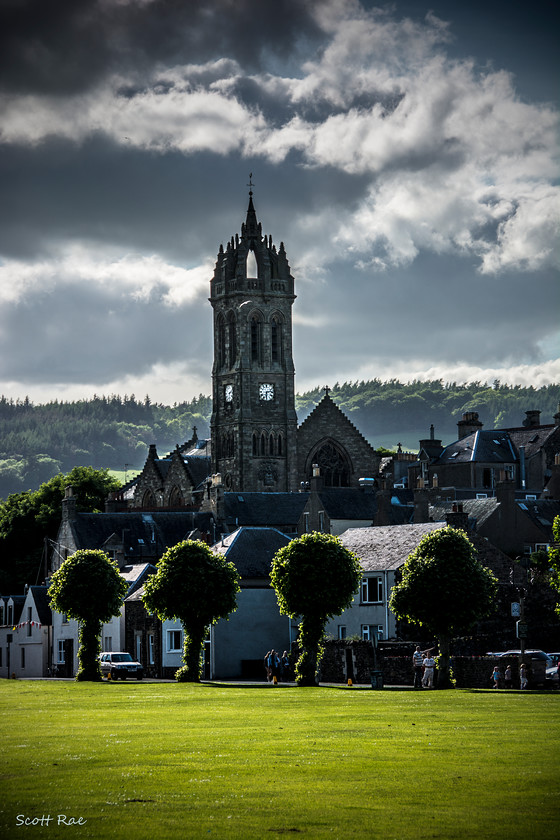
444, 588
315, 577
196, 587
88, 588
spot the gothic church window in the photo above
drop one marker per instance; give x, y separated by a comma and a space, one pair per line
149, 500
221, 342
271, 445
232, 339
175, 498
256, 340
276, 340
334, 466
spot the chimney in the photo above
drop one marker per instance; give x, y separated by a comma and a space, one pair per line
532, 418
69, 505
468, 424
457, 518
421, 506
505, 493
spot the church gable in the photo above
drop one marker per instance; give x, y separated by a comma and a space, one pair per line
328, 438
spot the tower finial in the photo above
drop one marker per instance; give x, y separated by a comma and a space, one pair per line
250, 184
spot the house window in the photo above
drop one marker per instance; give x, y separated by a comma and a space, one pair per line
60, 650
306, 523
151, 659
64, 618
372, 632
372, 590
10, 615
1, 614
22, 649
138, 640
321, 520
29, 619
541, 546
341, 631
174, 641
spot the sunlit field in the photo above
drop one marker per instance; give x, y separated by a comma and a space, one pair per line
138, 760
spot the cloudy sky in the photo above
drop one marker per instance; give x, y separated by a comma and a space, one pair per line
406, 154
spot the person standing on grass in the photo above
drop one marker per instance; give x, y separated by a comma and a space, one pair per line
285, 666
523, 676
267, 667
496, 676
417, 661
429, 665
508, 677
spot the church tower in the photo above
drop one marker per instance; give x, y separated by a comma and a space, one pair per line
254, 423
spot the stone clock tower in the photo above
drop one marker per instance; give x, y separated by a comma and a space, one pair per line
254, 424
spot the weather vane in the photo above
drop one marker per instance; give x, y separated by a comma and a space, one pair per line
250, 184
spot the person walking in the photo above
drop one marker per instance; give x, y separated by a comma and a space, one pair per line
523, 676
496, 676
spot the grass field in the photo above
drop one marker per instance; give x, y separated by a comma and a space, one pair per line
141, 760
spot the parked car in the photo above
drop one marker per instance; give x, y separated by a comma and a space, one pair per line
552, 678
120, 665
534, 654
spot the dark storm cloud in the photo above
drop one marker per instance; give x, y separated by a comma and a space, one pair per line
69, 45
133, 199
94, 334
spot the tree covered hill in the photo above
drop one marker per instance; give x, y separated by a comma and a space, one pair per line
39, 441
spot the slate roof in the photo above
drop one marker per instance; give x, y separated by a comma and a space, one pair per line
266, 509
542, 513
532, 438
251, 550
348, 503
386, 547
41, 599
482, 446
136, 574
92, 530
479, 509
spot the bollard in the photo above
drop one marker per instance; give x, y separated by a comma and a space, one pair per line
349, 683
275, 680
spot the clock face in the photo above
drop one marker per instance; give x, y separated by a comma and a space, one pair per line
228, 393
266, 392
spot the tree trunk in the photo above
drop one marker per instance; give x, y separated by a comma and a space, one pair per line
88, 652
310, 636
443, 668
192, 654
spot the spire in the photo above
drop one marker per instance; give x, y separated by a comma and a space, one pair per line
251, 224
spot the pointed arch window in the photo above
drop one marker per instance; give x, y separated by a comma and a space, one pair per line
251, 265
263, 444
256, 340
149, 499
176, 498
221, 342
280, 445
255, 444
334, 465
276, 340
271, 444
232, 339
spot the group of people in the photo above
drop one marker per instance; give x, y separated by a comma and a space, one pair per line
424, 667
277, 666
506, 680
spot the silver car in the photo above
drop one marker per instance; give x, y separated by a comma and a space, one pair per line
119, 666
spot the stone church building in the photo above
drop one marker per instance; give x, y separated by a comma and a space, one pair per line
256, 445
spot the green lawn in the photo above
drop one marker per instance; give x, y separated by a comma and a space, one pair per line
140, 760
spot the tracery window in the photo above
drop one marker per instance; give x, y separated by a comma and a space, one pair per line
232, 339
276, 340
335, 468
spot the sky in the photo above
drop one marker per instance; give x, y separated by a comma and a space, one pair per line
405, 153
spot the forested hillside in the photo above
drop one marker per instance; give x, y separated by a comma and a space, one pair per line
38, 441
